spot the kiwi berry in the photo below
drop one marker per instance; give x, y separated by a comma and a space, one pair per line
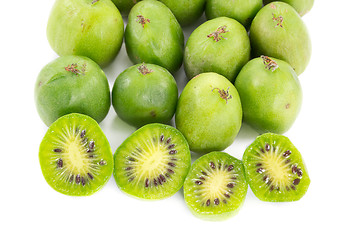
75, 156
215, 187
275, 169
153, 162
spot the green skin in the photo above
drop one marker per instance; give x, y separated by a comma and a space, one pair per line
285, 39
213, 212
209, 121
147, 138
145, 95
86, 28
55, 137
225, 55
271, 100
255, 154
157, 38
301, 6
241, 10
82, 89
186, 11
125, 6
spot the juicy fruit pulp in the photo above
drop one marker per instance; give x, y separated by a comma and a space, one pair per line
241, 10
278, 31
72, 84
153, 35
301, 6
215, 187
145, 93
209, 113
91, 28
219, 45
275, 170
270, 94
186, 11
75, 156
153, 162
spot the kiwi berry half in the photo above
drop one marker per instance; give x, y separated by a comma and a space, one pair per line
275, 169
215, 188
75, 156
153, 162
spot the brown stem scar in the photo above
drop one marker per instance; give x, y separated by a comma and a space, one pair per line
279, 21
269, 63
74, 68
217, 34
142, 20
94, 1
224, 94
144, 70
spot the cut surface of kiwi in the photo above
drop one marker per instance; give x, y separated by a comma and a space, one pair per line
215, 187
75, 156
275, 169
153, 162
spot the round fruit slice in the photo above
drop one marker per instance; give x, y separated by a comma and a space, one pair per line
275, 170
75, 156
153, 162
215, 188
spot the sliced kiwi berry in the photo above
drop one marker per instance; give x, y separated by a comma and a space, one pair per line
275, 169
153, 162
215, 187
75, 156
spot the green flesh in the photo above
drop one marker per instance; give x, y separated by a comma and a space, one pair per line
153, 35
275, 169
153, 162
208, 118
271, 97
75, 156
215, 187
88, 28
301, 6
209, 49
82, 88
241, 10
145, 93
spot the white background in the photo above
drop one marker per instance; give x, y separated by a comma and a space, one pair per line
326, 133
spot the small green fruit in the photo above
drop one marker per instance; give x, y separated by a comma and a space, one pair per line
301, 6
125, 6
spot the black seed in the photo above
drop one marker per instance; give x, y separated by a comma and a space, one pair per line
262, 150
57, 150
168, 140
161, 138
89, 150
258, 165
287, 161
216, 201
234, 178
227, 195
90, 176
299, 172
170, 171
171, 146
296, 181
231, 167
147, 182
71, 178
208, 202
287, 153
155, 182
265, 178
204, 173
271, 188
173, 159
139, 149
83, 181
202, 178
212, 165
128, 168
77, 179
172, 152
267, 147
60, 163
167, 175
82, 134
91, 144
159, 181
102, 162
131, 159
293, 187
171, 164
132, 178
224, 201
294, 169
162, 178
91, 156
198, 182
260, 170
230, 185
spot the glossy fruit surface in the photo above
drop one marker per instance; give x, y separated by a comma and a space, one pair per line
270, 94
145, 93
91, 28
209, 113
72, 84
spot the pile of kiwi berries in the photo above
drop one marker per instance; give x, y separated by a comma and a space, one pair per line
242, 65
